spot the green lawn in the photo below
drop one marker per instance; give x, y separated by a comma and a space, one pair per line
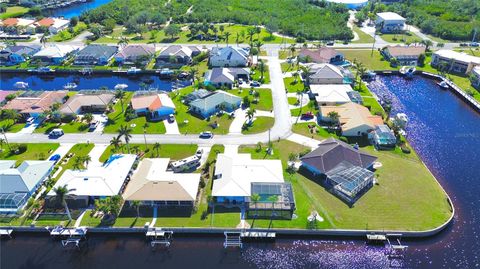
10, 127
72, 127
193, 124
286, 53
293, 86
79, 150
408, 37
65, 35
33, 152
319, 133
382, 207
372, 62
159, 36
258, 75
288, 67
310, 107
265, 99
292, 100
117, 119
173, 151
15, 11
363, 37
260, 125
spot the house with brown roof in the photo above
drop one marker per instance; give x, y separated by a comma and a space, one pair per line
54, 25
154, 185
87, 103
132, 54
33, 106
354, 119
153, 107
18, 25
405, 55
321, 55
345, 170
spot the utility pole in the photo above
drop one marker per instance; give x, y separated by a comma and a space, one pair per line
6, 140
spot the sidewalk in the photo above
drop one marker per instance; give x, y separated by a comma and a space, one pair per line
303, 140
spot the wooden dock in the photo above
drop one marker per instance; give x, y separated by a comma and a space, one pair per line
157, 236
6, 233
60, 231
260, 236
233, 239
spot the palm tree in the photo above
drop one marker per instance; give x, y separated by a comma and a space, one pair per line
255, 198
300, 96
120, 94
157, 147
237, 38
334, 116
77, 163
250, 113
136, 149
258, 45
86, 159
136, 204
226, 35
116, 142
61, 193
126, 132
2, 141
261, 68
273, 199
250, 33
145, 126
193, 72
293, 49
123, 41
88, 117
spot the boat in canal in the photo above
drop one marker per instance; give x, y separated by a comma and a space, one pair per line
70, 86
408, 71
443, 85
21, 85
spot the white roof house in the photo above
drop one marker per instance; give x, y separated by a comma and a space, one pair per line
325, 74
208, 105
390, 22
235, 173
55, 51
58, 24
105, 180
152, 182
228, 57
458, 56
390, 16
24, 178
330, 94
459, 62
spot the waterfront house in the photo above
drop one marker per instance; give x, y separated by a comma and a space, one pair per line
154, 185
17, 54
17, 185
153, 107
382, 137
214, 102
55, 54
390, 22
135, 54
330, 94
95, 55
327, 74
87, 103
238, 176
32, 103
226, 77
18, 26
475, 77
190, 163
228, 57
455, 62
405, 55
54, 25
177, 55
323, 55
354, 119
345, 170
196, 94
97, 181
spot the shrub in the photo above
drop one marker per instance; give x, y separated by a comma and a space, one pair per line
202, 183
405, 149
344, 139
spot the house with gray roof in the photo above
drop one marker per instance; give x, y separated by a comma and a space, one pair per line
177, 55
228, 57
13, 55
214, 102
226, 77
18, 184
323, 55
326, 74
346, 171
95, 55
135, 53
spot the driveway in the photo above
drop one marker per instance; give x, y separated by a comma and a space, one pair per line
171, 127
237, 123
62, 150
95, 154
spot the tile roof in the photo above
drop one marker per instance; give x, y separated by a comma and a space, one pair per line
36, 104
320, 55
152, 102
46, 22
352, 115
136, 50
397, 51
76, 102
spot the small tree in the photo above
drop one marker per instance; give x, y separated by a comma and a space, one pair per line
61, 193
334, 117
172, 30
88, 117
136, 204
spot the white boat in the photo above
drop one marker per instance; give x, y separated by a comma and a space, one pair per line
21, 85
133, 70
408, 71
443, 84
120, 86
70, 86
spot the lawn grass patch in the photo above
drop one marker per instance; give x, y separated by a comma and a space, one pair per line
293, 86
9, 126
319, 133
33, 152
362, 36
407, 37
259, 125
15, 11
371, 61
264, 100
172, 151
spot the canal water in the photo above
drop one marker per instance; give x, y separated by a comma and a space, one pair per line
444, 131
76, 9
87, 82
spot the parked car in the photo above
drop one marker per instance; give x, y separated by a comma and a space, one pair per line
206, 134
92, 126
255, 84
307, 116
199, 153
30, 120
171, 118
474, 44
55, 133
55, 158
330, 43
240, 81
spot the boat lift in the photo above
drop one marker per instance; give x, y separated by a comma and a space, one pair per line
159, 237
6, 233
258, 236
73, 235
233, 239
